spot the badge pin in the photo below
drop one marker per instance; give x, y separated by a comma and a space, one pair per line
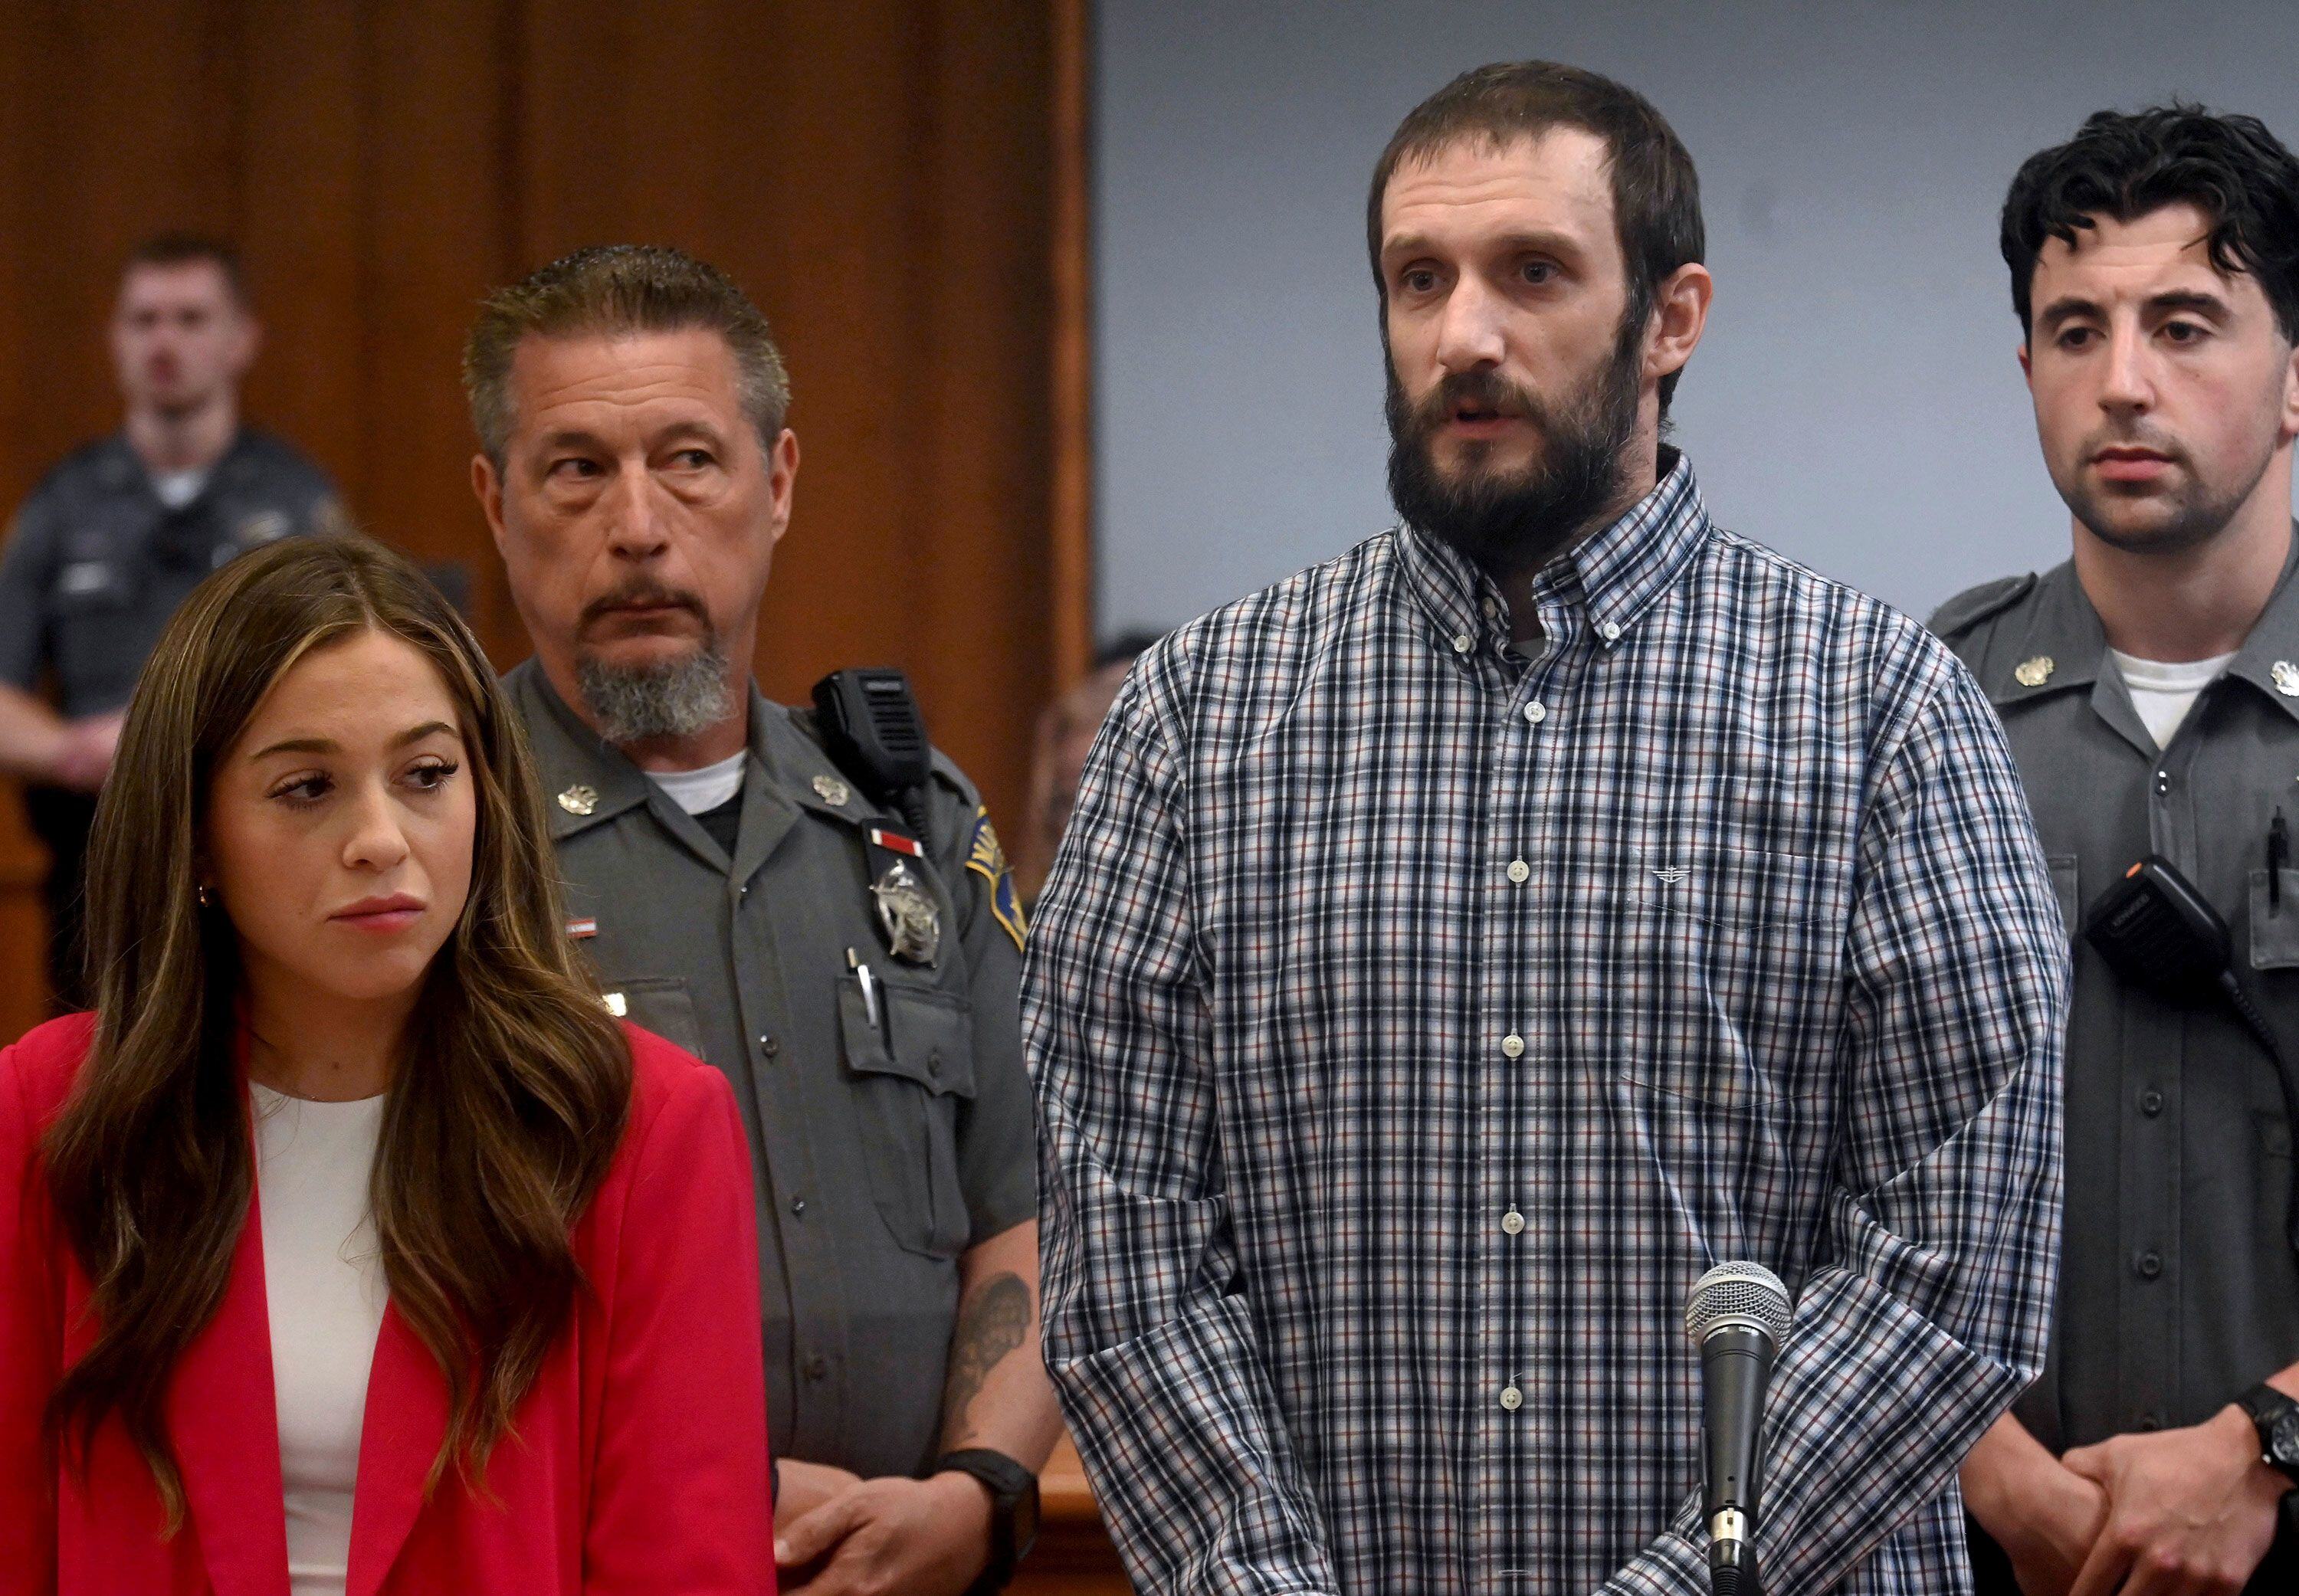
580, 799
830, 790
616, 1004
2287, 678
582, 926
2034, 673
907, 914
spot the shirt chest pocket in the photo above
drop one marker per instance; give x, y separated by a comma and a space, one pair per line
1726, 976
912, 1075
662, 1004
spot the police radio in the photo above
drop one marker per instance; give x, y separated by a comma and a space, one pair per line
2158, 932
871, 727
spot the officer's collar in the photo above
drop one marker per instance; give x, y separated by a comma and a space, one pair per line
2269, 656
2065, 645
587, 782
799, 768
124, 468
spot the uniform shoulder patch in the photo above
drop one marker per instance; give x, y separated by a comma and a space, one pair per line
987, 859
1974, 605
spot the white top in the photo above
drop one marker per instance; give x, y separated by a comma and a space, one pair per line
697, 791
177, 489
2164, 693
323, 1283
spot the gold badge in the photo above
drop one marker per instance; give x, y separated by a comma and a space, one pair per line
580, 799
907, 911
830, 790
2287, 678
2034, 673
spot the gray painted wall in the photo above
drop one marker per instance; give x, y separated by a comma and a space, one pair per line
1855, 403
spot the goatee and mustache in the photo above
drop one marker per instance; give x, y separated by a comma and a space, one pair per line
1512, 522
677, 698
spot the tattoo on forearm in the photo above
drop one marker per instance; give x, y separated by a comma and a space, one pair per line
990, 1323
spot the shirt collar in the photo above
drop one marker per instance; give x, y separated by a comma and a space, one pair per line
2065, 646
1616, 574
587, 782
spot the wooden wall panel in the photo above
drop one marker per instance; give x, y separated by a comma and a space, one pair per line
877, 173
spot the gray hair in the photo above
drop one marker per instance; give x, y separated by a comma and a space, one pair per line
615, 289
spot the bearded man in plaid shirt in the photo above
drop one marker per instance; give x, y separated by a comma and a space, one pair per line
1460, 946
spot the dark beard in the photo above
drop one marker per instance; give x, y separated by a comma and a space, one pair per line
1511, 525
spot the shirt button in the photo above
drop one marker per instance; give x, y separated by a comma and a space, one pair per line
770, 1046
1462, 643
2163, 780
2149, 1265
2151, 1102
1513, 1045
1610, 630
1512, 1223
1536, 712
798, 1204
2151, 1421
1492, 609
1519, 872
1512, 1398
818, 1368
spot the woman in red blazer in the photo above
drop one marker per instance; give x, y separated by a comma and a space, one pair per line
350, 1246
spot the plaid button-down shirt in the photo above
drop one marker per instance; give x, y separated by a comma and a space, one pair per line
1415, 1022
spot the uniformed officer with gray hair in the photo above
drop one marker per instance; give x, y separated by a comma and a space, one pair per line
800, 899
114, 537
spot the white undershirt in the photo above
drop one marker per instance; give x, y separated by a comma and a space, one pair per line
697, 791
2164, 693
323, 1283
177, 489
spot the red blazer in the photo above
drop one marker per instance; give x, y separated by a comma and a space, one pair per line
638, 1461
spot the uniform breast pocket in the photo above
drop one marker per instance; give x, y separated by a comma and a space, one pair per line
1724, 977
910, 1074
2274, 925
662, 1004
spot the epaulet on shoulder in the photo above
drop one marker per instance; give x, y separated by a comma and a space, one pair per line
1968, 608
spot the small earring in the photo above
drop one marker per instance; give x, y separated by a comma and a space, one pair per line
206, 895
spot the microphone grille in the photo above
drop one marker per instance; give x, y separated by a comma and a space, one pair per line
1741, 1291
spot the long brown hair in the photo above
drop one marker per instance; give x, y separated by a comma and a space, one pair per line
506, 1101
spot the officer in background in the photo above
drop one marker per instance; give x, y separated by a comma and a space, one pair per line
2150, 691
747, 886
112, 538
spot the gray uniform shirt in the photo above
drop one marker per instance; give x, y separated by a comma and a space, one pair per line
880, 1152
2178, 1289
97, 563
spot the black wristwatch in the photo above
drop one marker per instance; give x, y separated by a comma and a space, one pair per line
1013, 1511
2276, 1416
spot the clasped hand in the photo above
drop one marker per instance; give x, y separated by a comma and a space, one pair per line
837, 1534
2183, 1512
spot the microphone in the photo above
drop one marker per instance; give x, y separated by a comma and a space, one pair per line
1736, 1315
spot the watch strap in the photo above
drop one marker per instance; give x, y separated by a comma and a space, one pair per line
1012, 1532
2267, 1407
